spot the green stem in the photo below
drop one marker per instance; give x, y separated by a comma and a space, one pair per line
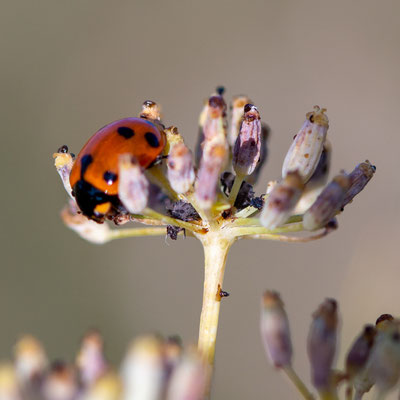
133, 232
235, 189
172, 221
259, 230
216, 248
298, 383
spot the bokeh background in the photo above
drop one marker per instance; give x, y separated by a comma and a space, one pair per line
70, 67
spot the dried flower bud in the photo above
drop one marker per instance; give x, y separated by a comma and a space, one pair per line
107, 387
384, 322
321, 344
384, 363
238, 104
84, 227
63, 161
172, 354
317, 182
90, 360
143, 370
213, 161
188, 380
8, 383
247, 150
60, 384
133, 188
328, 203
214, 126
359, 178
30, 360
359, 352
180, 168
275, 331
150, 110
306, 148
281, 201
173, 137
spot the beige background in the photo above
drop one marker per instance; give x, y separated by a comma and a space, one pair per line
69, 67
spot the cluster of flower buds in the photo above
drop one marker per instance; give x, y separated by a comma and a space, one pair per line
372, 361
153, 369
216, 191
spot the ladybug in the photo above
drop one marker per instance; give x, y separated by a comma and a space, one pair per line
94, 175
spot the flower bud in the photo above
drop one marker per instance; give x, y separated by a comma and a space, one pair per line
328, 203
281, 201
384, 362
180, 168
384, 322
321, 344
143, 370
60, 384
238, 104
90, 360
84, 227
107, 387
173, 137
63, 161
133, 188
317, 182
359, 352
247, 150
359, 178
306, 148
8, 383
213, 161
275, 331
30, 360
189, 378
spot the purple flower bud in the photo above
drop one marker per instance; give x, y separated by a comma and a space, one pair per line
90, 361
281, 201
213, 161
247, 150
189, 378
133, 188
359, 178
143, 370
238, 104
306, 148
275, 330
321, 344
359, 352
328, 203
180, 168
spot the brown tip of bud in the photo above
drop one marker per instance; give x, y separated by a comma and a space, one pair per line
384, 317
318, 116
217, 106
251, 112
272, 299
150, 110
294, 180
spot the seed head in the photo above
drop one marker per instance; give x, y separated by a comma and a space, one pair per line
306, 148
328, 203
282, 200
133, 189
275, 330
180, 168
321, 344
247, 150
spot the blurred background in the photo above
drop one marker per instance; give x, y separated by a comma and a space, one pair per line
70, 67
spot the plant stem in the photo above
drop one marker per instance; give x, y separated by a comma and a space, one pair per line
298, 383
124, 233
235, 189
216, 247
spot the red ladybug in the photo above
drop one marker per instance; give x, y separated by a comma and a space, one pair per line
94, 175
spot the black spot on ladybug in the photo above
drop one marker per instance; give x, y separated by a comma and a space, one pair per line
126, 132
63, 149
110, 177
151, 139
86, 160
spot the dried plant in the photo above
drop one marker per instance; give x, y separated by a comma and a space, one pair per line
373, 359
214, 201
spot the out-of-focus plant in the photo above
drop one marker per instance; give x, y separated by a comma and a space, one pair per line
373, 359
214, 201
